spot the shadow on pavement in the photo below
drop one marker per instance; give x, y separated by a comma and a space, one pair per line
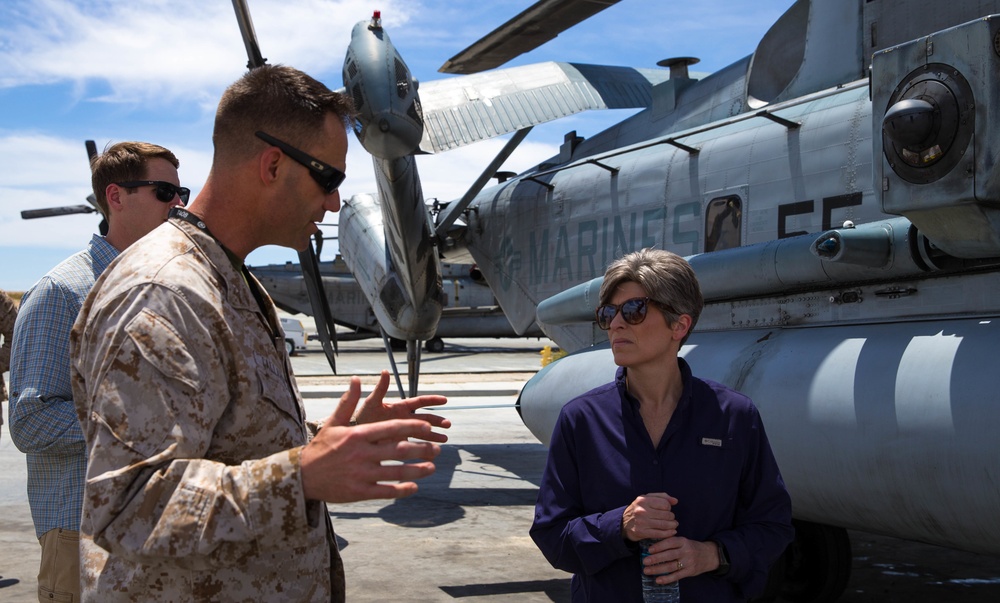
438, 502
556, 590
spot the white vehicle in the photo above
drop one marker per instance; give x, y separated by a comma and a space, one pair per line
295, 335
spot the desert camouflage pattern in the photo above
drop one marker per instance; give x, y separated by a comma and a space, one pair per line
194, 428
8, 314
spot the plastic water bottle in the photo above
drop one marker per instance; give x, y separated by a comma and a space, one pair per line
651, 591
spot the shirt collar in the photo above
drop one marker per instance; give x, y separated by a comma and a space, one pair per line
633, 402
102, 253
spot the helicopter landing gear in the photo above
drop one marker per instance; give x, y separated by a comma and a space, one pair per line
434, 345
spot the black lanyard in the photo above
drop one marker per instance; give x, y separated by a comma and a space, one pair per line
182, 214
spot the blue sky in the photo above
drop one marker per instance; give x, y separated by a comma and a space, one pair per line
108, 70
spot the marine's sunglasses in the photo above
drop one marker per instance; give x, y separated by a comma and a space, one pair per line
165, 191
328, 177
633, 311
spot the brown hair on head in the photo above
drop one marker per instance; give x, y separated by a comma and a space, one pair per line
123, 162
666, 277
279, 100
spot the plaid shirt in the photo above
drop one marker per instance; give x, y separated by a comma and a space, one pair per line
43, 421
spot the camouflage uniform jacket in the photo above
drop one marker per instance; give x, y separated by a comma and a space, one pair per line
8, 313
194, 430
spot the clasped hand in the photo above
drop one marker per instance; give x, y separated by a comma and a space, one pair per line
671, 557
650, 517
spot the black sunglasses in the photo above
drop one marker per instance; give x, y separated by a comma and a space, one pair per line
165, 191
633, 311
328, 177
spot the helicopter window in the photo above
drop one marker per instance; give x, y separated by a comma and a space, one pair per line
722, 223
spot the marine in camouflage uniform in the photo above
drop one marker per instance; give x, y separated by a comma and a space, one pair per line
8, 314
194, 426
204, 480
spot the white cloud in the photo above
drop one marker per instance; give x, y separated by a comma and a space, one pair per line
150, 51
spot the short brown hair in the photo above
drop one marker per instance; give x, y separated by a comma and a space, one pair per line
279, 100
666, 277
122, 162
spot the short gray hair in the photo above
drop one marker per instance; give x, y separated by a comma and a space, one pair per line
666, 277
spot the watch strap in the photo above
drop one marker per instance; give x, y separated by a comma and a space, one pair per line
723, 560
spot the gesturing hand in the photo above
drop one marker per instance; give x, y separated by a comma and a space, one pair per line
345, 464
375, 409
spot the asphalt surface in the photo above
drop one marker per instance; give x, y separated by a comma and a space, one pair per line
463, 536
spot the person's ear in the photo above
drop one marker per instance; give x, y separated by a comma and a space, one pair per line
681, 326
268, 164
113, 194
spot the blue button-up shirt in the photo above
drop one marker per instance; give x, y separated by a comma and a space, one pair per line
714, 457
43, 421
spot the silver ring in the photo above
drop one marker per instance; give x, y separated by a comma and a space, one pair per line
680, 565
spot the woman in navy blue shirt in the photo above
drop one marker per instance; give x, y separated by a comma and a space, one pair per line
660, 454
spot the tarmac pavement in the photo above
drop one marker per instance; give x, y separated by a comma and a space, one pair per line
464, 535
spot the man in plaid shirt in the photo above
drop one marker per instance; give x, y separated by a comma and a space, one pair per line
136, 185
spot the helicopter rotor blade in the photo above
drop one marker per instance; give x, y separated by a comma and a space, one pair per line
536, 25
255, 59
31, 214
413, 364
392, 361
325, 326
91, 156
308, 260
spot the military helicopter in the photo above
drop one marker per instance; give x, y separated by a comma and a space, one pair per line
836, 192
470, 310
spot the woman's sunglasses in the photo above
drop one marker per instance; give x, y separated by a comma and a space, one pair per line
633, 311
165, 191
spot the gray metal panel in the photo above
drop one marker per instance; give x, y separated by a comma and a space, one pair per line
461, 111
887, 24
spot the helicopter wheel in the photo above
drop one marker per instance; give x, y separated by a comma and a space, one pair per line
775, 579
818, 563
434, 345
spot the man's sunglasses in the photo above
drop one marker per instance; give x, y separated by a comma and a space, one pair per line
633, 311
328, 177
165, 191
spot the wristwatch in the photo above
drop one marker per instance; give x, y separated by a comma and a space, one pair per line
723, 561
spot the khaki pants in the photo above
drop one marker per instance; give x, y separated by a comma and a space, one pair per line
59, 573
